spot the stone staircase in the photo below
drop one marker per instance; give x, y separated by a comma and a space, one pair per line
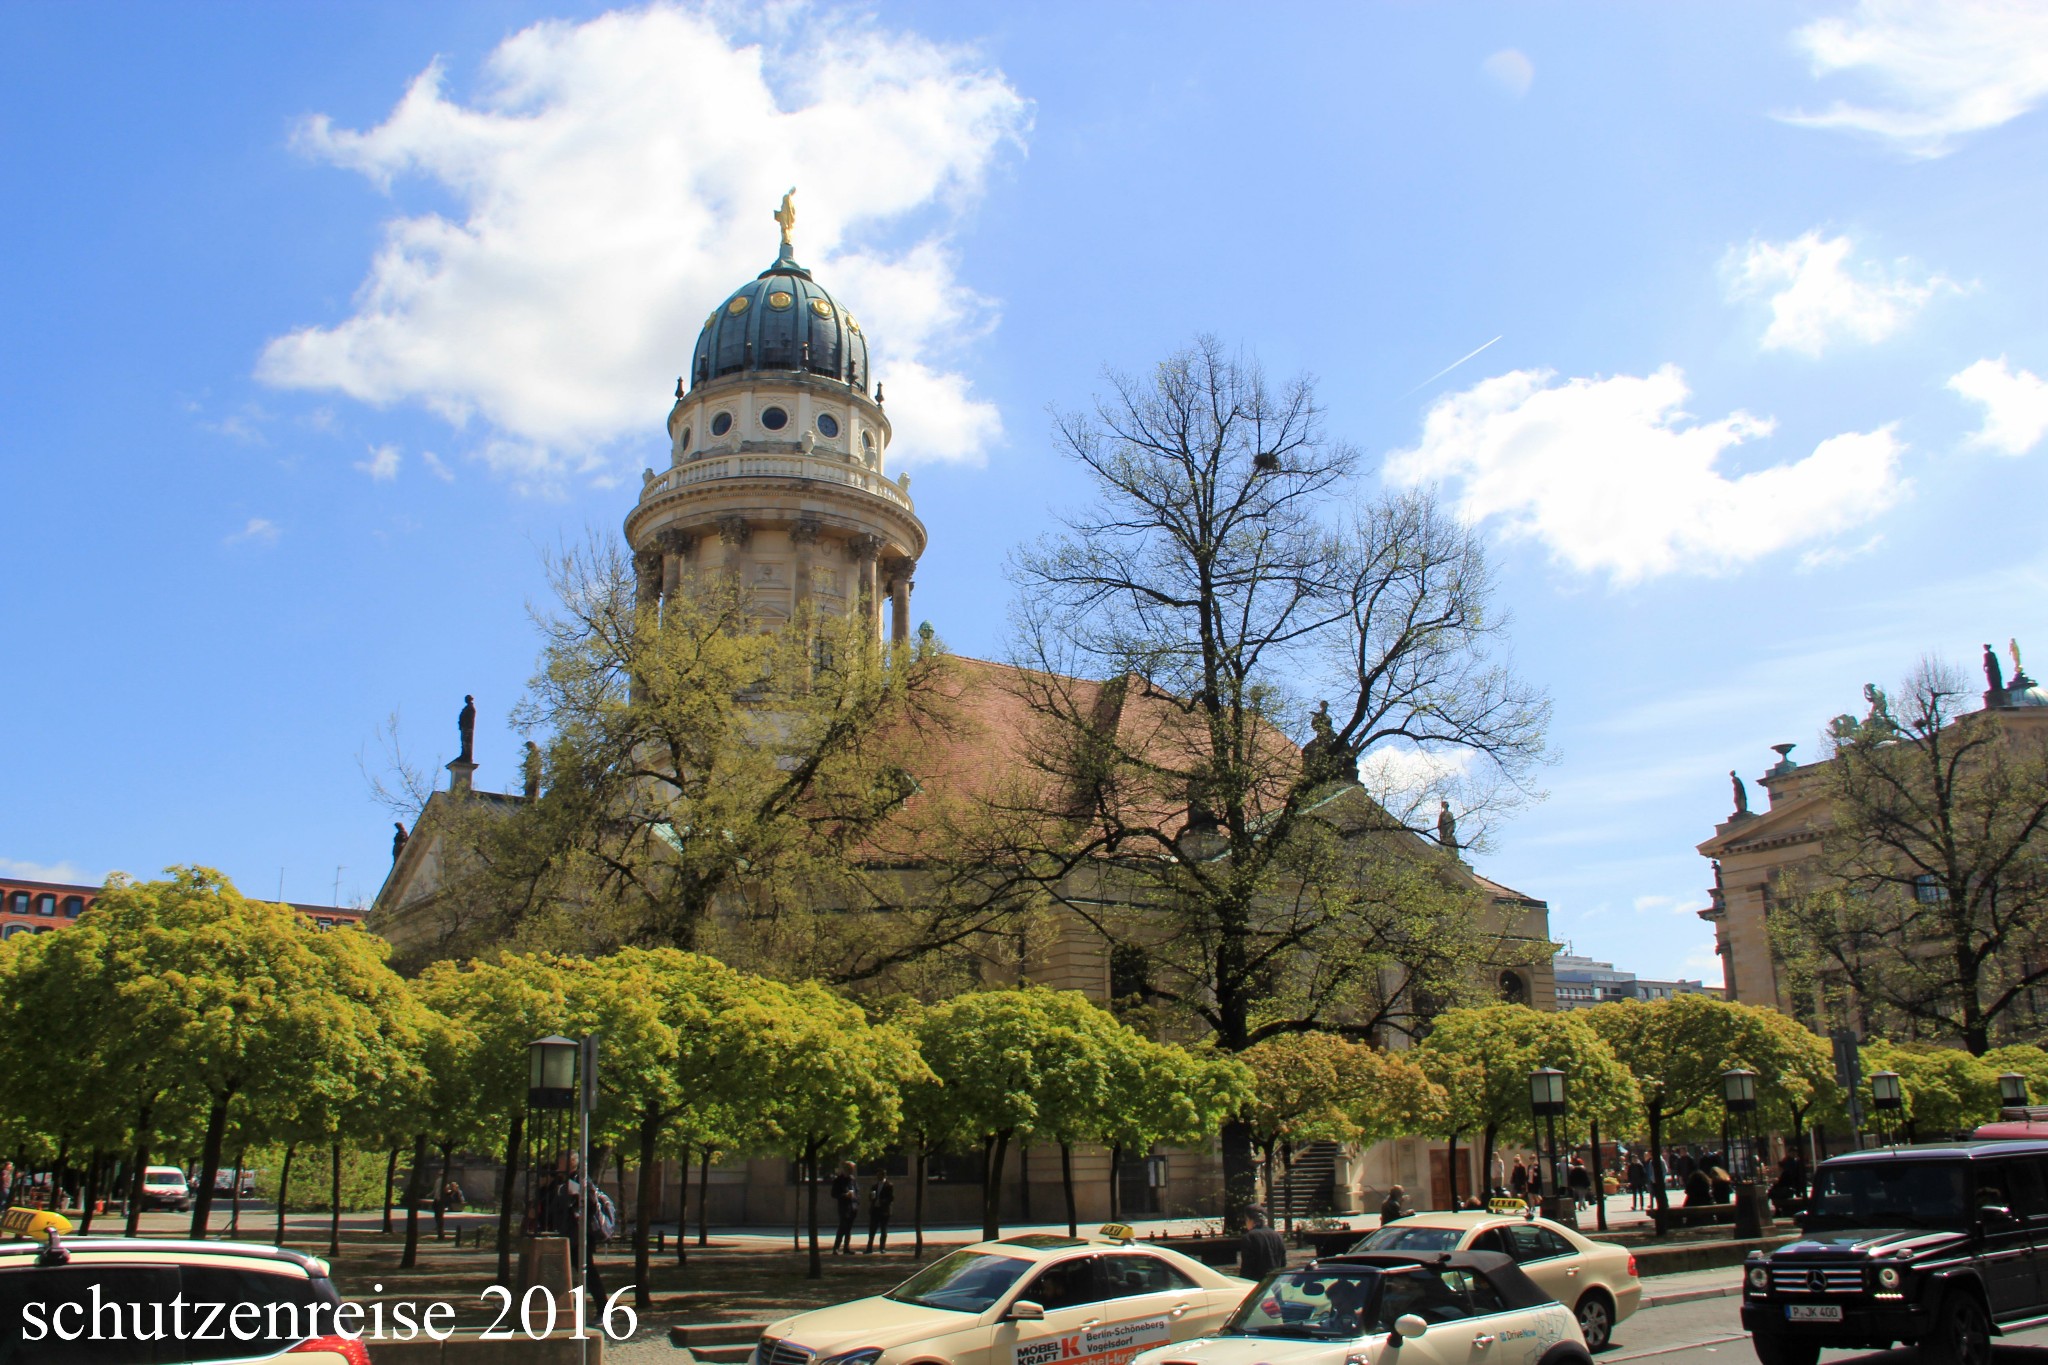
718, 1343
1313, 1187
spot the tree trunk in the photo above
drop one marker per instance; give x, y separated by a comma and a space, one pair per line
334, 1203
1067, 1182
1451, 1166
441, 1191
390, 1175
412, 1202
917, 1203
1023, 1180
1240, 1175
1116, 1201
1657, 1170
1287, 1181
1486, 1136
141, 1163
209, 1164
513, 1133
235, 1194
703, 1191
993, 1148
284, 1187
644, 1211
817, 1270
93, 1171
682, 1206
1599, 1185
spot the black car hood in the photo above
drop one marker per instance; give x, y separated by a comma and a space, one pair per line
1868, 1242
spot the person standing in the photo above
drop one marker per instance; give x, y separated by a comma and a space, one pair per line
881, 1197
6, 1183
846, 1194
1262, 1251
1581, 1182
1638, 1182
565, 1210
1391, 1210
1518, 1180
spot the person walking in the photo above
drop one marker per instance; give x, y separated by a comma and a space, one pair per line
1518, 1180
846, 1194
1581, 1182
1390, 1209
1638, 1182
564, 1212
881, 1197
1262, 1252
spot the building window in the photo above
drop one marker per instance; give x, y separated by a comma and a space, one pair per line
74, 906
721, 424
684, 444
46, 904
18, 902
775, 419
11, 930
1928, 890
1514, 990
1130, 977
828, 425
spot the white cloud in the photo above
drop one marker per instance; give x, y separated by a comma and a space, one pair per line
382, 466
258, 531
47, 872
614, 180
1403, 774
1510, 70
1614, 477
1816, 299
2015, 405
437, 466
1943, 67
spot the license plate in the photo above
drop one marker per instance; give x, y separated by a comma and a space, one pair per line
1813, 1312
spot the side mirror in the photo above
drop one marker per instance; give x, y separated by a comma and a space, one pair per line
1997, 1215
1024, 1310
1410, 1325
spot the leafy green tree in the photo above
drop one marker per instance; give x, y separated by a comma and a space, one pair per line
2027, 1060
1309, 1087
1483, 1057
1162, 1092
1229, 571
1926, 914
1678, 1050
1945, 1090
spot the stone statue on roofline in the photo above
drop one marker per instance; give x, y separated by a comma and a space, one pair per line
1994, 679
465, 727
1741, 792
1323, 758
1446, 826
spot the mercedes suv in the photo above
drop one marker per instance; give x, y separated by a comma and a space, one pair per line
1931, 1245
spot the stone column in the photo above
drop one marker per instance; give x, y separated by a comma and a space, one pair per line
675, 550
735, 532
899, 600
803, 540
864, 551
647, 579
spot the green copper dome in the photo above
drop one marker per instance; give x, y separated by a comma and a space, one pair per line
781, 320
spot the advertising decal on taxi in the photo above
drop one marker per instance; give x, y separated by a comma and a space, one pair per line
1112, 1343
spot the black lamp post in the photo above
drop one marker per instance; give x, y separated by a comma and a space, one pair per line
1546, 1102
2012, 1090
1738, 1098
1888, 1097
561, 1091
551, 1072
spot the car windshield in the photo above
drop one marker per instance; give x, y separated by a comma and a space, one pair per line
155, 1178
1308, 1304
1880, 1193
964, 1282
1403, 1237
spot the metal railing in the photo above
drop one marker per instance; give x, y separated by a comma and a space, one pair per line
711, 468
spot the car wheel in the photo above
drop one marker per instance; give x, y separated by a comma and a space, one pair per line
1961, 1335
1596, 1320
1772, 1349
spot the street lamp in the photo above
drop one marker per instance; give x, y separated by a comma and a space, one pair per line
1738, 1097
1546, 1102
551, 1072
2012, 1090
561, 1092
1888, 1097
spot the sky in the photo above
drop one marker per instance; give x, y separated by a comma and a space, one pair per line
1722, 323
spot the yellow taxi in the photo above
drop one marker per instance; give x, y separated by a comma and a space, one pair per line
1035, 1299
1596, 1280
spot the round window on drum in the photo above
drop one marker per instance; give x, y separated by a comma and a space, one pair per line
828, 425
721, 424
775, 419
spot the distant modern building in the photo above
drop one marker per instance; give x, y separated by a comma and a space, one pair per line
1581, 982
38, 907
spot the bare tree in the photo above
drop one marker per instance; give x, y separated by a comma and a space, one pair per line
1169, 643
1926, 912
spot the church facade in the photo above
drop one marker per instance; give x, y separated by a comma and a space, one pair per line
777, 474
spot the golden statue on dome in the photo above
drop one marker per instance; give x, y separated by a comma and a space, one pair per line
786, 215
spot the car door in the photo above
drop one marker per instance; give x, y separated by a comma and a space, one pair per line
2006, 1249
1070, 1292
1151, 1302
1548, 1259
1441, 1299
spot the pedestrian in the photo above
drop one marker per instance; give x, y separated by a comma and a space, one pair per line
1580, 1182
1698, 1189
1722, 1186
1262, 1252
881, 1197
6, 1183
1390, 1208
846, 1194
1518, 1179
1638, 1182
565, 1215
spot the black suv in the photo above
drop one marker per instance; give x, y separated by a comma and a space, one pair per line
1934, 1245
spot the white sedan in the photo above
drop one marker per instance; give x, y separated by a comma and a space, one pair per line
1037, 1299
1596, 1280
1452, 1308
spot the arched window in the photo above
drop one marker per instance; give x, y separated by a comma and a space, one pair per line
18, 902
46, 904
74, 906
1514, 990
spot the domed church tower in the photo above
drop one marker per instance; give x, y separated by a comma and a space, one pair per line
777, 458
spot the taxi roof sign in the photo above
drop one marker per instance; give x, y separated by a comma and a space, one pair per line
34, 1224
1117, 1232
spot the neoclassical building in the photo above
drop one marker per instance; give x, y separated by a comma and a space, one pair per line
777, 472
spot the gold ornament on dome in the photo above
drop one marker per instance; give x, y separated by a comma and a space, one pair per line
851, 325
821, 308
737, 305
780, 300
786, 215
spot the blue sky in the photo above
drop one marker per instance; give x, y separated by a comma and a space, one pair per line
324, 321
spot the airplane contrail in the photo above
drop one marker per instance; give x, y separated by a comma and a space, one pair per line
1452, 366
